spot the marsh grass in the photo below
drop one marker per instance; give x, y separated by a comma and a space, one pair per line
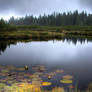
29, 35
32, 88
44, 32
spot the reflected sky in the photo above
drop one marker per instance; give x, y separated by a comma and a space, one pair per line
74, 59
47, 52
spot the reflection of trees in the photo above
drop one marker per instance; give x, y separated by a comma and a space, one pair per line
75, 40
69, 39
4, 45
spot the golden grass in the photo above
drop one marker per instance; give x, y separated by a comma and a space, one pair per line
29, 34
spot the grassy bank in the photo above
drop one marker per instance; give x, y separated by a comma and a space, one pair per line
30, 35
44, 32
50, 28
42, 35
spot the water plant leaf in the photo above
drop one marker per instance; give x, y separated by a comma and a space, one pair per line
39, 68
71, 86
20, 69
67, 77
66, 81
46, 83
4, 70
59, 71
58, 89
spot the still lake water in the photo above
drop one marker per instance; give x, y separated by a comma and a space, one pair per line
74, 57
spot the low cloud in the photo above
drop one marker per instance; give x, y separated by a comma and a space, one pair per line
37, 7
86, 4
23, 7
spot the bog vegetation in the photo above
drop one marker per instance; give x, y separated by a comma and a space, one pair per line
17, 79
56, 25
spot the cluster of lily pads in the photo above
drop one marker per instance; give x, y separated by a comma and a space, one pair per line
32, 79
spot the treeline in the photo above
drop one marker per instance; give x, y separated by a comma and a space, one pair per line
5, 26
55, 19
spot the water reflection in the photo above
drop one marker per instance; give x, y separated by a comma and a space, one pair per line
74, 40
5, 44
72, 54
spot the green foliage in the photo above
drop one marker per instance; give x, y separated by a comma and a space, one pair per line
55, 19
56, 25
4, 26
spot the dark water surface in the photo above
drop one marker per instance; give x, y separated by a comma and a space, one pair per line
74, 57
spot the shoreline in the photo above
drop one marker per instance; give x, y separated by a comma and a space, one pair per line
45, 35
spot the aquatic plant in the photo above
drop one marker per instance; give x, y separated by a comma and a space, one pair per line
16, 79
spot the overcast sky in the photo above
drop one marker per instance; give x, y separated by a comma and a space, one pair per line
18, 8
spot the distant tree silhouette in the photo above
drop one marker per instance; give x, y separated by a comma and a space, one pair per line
55, 19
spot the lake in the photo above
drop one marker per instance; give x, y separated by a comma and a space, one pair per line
74, 56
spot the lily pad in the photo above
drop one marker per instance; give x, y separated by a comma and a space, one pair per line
46, 83
59, 71
66, 81
5, 71
71, 86
58, 89
67, 77
20, 69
